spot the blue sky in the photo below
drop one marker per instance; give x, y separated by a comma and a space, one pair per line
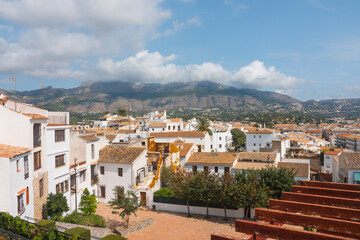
309, 49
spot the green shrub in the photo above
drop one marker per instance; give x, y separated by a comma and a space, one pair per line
113, 237
87, 220
82, 232
47, 223
164, 192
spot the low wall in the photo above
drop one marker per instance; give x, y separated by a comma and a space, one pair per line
239, 213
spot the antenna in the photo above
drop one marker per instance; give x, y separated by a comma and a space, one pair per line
13, 78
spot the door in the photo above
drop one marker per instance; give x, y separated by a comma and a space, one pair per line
143, 198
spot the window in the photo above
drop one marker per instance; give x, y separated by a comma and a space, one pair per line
21, 206
58, 188
27, 196
216, 169
173, 127
254, 144
18, 165
41, 187
259, 136
102, 191
60, 160
220, 145
37, 160
66, 185
59, 135
26, 167
194, 168
219, 138
37, 135
169, 128
120, 172
254, 136
206, 168
82, 176
143, 144
92, 151
328, 165
227, 169
102, 170
62, 187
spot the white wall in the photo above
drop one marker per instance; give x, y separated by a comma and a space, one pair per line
220, 141
255, 141
239, 213
351, 175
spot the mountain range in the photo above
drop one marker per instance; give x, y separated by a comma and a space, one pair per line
110, 96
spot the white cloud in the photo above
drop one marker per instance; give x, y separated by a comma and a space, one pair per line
178, 26
153, 67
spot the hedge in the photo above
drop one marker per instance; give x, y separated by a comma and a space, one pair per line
113, 237
47, 223
82, 232
176, 201
93, 220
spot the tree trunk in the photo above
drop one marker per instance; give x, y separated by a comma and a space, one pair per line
247, 212
207, 211
188, 207
127, 220
225, 218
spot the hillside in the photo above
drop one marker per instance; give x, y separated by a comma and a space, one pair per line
110, 96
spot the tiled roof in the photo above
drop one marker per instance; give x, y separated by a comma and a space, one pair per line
126, 131
352, 159
183, 134
332, 153
110, 137
174, 120
120, 154
251, 165
89, 138
262, 156
212, 158
349, 136
301, 168
184, 147
8, 151
157, 125
35, 116
260, 131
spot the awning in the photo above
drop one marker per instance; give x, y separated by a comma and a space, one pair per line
94, 163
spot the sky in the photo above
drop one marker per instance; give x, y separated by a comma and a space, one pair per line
308, 49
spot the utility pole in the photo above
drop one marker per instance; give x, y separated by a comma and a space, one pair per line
75, 187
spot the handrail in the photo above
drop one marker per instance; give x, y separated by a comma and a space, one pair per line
157, 176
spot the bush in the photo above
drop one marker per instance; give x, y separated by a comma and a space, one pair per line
113, 237
56, 205
164, 192
82, 232
87, 220
47, 223
88, 203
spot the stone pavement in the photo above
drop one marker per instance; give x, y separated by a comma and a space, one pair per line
174, 226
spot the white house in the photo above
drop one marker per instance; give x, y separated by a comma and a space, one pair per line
221, 141
211, 162
120, 167
201, 139
16, 175
259, 138
349, 167
256, 160
331, 164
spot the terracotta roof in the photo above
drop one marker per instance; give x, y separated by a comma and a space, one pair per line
260, 131
349, 136
173, 120
157, 125
251, 165
332, 153
35, 116
262, 156
184, 147
120, 154
352, 159
89, 138
110, 137
314, 131
183, 134
301, 168
126, 131
8, 151
212, 158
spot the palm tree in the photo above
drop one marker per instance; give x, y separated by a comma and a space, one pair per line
204, 125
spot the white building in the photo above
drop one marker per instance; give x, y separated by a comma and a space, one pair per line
300, 166
349, 167
16, 175
221, 141
201, 139
259, 138
211, 162
120, 166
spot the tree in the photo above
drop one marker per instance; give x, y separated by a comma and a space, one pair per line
166, 177
253, 193
277, 180
204, 125
238, 137
121, 112
56, 205
256, 125
205, 183
128, 205
88, 203
183, 187
226, 192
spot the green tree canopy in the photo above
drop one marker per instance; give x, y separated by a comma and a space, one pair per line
238, 137
88, 203
204, 125
56, 205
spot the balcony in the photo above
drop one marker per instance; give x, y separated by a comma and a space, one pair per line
58, 118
